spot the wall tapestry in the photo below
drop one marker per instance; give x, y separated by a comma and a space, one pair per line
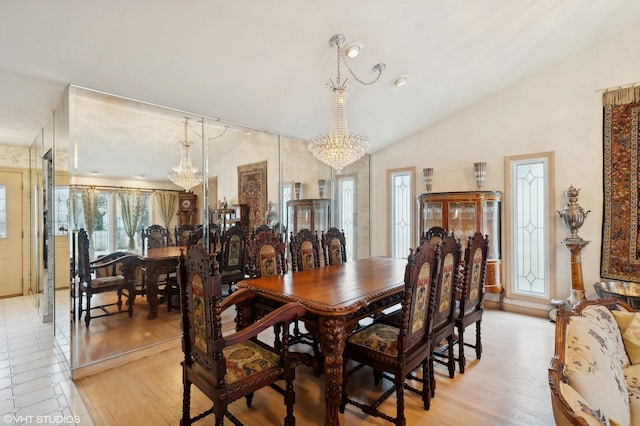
252, 190
620, 254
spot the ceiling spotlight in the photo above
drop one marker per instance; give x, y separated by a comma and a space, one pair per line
351, 50
401, 81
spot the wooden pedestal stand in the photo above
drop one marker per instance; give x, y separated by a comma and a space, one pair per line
577, 285
573, 217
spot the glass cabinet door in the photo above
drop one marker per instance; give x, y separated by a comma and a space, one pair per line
462, 219
321, 218
431, 214
303, 217
491, 227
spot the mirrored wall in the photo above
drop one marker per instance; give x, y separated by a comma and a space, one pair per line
114, 146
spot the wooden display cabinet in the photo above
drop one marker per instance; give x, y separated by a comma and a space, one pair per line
226, 218
465, 213
312, 214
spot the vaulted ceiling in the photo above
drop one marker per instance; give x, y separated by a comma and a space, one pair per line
265, 64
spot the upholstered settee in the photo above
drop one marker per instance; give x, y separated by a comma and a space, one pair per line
594, 374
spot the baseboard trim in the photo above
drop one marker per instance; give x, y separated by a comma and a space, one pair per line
121, 359
520, 307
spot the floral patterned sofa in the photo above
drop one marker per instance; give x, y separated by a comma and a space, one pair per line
594, 374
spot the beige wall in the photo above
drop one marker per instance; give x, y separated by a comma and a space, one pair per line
558, 109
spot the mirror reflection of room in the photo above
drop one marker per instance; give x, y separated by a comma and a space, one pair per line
137, 219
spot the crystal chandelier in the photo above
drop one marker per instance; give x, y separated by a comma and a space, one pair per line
185, 175
340, 148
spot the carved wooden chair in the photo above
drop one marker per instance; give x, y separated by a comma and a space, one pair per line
305, 254
470, 307
197, 235
227, 368
435, 234
305, 250
266, 255
215, 228
261, 228
155, 236
182, 234
232, 255
395, 351
116, 272
334, 246
443, 319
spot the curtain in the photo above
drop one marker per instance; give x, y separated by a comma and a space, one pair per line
90, 209
74, 208
130, 209
166, 203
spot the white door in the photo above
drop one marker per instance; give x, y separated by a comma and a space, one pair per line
10, 233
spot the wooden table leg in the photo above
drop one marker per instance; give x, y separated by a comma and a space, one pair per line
332, 340
151, 286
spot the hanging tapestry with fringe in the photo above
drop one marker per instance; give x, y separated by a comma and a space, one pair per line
620, 254
252, 190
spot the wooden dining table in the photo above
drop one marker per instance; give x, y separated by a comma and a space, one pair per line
157, 261
336, 297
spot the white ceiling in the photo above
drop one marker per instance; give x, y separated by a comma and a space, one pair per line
265, 64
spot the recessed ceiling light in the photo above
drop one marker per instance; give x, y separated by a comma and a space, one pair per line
353, 49
401, 81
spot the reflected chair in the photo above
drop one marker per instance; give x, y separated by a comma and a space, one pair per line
116, 272
232, 255
470, 307
305, 254
261, 228
395, 351
227, 368
333, 246
155, 236
197, 235
266, 255
305, 250
182, 234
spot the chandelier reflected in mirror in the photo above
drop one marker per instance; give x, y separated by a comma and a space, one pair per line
339, 148
185, 175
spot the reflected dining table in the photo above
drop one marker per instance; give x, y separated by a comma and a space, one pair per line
336, 297
154, 262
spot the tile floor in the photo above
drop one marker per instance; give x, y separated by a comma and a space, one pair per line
35, 387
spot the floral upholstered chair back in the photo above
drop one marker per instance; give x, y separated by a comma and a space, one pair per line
475, 263
202, 313
422, 297
233, 249
305, 250
334, 246
447, 280
267, 255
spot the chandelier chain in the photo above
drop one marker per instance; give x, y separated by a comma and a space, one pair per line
210, 139
346, 63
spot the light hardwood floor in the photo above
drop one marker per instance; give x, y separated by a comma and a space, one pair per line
508, 386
